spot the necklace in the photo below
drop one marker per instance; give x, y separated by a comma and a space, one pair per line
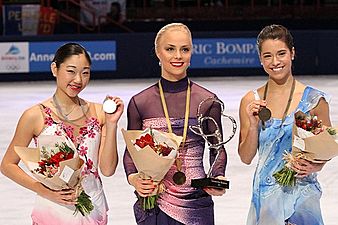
288, 103
65, 116
179, 177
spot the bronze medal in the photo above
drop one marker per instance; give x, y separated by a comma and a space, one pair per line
264, 114
179, 178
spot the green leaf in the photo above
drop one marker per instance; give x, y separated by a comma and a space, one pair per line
84, 204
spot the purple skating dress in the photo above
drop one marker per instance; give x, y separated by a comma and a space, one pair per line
180, 203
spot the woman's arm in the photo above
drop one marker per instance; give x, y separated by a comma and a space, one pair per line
322, 111
134, 123
143, 187
28, 127
304, 167
248, 136
108, 157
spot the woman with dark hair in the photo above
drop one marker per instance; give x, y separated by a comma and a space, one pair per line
84, 123
275, 103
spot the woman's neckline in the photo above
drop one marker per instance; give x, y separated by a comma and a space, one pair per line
74, 122
174, 86
298, 105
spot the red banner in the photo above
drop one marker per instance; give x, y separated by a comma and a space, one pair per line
47, 20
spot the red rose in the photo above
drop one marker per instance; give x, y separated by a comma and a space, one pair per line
166, 150
57, 158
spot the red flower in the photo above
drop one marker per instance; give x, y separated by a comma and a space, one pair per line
57, 158
47, 110
48, 166
83, 130
69, 156
89, 164
143, 141
309, 123
83, 150
91, 134
161, 149
49, 121
166, 150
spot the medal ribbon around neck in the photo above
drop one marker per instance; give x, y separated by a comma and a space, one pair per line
179, 177
289, 100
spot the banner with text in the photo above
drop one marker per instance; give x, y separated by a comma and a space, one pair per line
25, 57
12, 20
103, 55
210, 53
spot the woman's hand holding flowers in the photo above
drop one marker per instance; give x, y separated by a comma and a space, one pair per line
304, 167
144, 187
65, 197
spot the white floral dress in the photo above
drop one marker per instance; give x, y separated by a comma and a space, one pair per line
46, 212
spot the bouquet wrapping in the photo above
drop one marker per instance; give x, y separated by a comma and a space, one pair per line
310, 141
153, 153
56, 164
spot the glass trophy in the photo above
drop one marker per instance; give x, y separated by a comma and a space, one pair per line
209, 180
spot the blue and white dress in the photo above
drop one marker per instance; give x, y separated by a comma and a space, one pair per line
271, 203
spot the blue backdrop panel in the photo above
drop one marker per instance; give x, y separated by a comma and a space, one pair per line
212, 53
103, 54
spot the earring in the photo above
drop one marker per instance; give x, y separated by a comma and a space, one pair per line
292, 58
261, 64
159, 63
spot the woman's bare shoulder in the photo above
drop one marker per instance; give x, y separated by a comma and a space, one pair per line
32, 113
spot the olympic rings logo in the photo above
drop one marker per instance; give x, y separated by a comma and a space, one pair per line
13, 67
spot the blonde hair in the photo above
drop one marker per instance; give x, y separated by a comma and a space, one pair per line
178, 26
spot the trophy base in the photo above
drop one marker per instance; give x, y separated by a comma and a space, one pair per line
210, 182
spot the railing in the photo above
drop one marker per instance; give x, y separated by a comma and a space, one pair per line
96, 25
75, 18
105, 20
230, 9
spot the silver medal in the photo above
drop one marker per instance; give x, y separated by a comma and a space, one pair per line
109, 106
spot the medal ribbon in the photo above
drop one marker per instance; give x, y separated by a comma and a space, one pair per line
289, 100
187, 110
179, 177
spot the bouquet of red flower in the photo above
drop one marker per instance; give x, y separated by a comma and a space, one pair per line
153, 153
56, 164
309, 140
50, 163
162, 149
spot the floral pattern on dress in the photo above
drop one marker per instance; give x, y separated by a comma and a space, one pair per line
91, 128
